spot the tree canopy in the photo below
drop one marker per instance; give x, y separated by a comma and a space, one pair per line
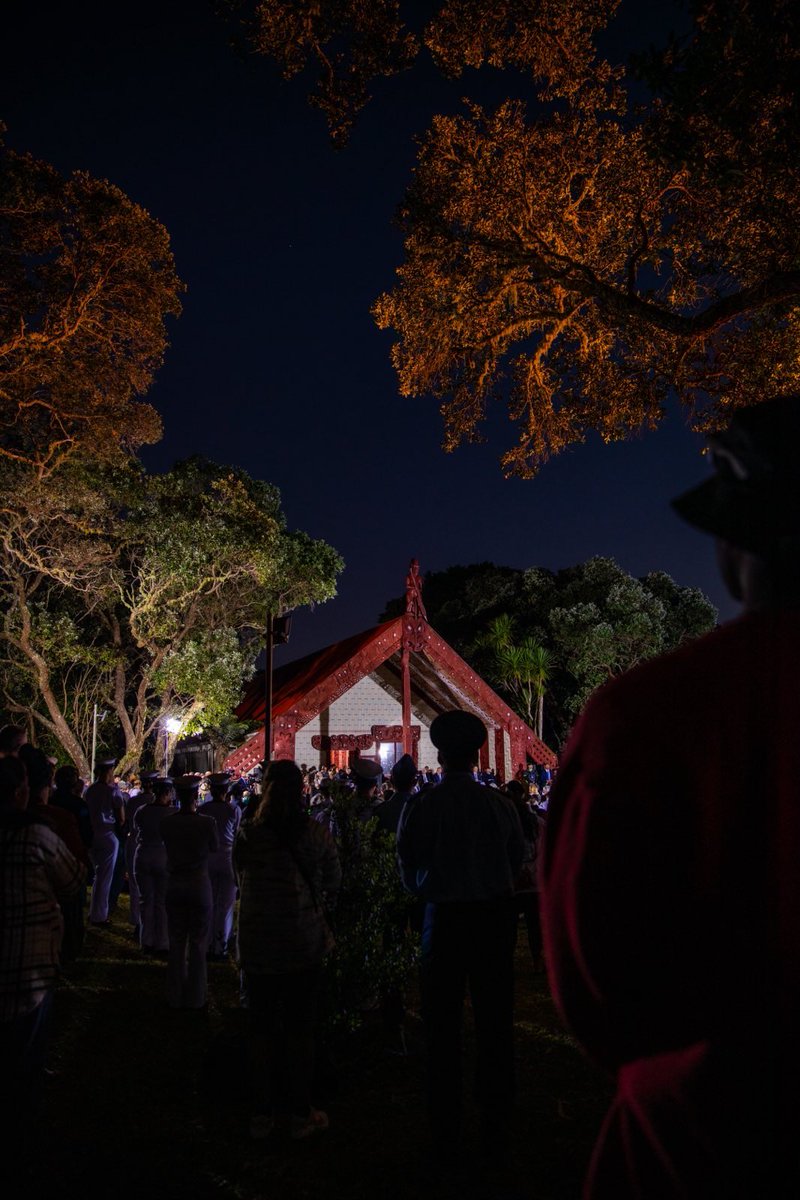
131, 593
142, 594
87, 280
587, 254
594, 621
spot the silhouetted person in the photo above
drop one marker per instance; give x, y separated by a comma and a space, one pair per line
68, 794
672, 864
37, 872
11, 738
288, 869
189, 840
460, 847
525, 901
220, 864
106, 808
150, 868
65, 825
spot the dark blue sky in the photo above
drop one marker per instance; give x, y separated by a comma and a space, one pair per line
276, 365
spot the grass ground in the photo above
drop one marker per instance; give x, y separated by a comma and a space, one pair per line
147, 1103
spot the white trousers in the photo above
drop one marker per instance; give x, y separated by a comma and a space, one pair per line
133, 887
223, 890
150, 869
103, 854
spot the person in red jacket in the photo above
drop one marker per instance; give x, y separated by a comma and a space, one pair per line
671, 881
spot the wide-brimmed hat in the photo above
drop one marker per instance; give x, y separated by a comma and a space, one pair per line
753, 498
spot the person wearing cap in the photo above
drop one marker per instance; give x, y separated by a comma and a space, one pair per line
189, 839
367, 778
68, 794
137, 798
403, 776
150, 866
672, 913
227, 817
106, 810
460, 848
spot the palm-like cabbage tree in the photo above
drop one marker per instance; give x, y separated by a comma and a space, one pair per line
522, 668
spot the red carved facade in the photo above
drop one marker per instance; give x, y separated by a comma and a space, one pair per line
342, 741
305, 689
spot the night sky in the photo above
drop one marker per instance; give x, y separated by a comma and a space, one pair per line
276, 365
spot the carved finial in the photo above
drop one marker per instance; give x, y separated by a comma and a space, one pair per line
414, 605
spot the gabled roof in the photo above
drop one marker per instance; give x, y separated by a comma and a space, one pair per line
292, 682
304, 688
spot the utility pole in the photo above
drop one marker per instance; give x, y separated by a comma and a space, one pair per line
94, 737
277, 634
270, 645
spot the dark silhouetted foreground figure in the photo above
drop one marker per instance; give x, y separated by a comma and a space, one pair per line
40, 779
227, 818
106, 808
288, 869
11, 738
189, 839
672, 864
460, 847
37, 872
150, 867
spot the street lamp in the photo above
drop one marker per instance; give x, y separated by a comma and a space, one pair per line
172, 726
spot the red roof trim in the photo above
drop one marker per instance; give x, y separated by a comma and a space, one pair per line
297, 680
469, 682
304, 688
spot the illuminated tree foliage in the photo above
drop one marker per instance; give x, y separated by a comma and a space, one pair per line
143, 594
520, 666
86, 281
136, 593
585, 257
349, 44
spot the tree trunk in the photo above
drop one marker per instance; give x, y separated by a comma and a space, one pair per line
58, 722
540, 716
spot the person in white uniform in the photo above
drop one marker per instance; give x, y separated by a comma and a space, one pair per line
227, 818
106, 807
136, 799
150, 867
189, 839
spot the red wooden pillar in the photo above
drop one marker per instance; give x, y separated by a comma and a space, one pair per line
413, 639
500, 755
405, 664
519, 755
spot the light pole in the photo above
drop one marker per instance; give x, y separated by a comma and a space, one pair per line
276, 634
268, 648
97, 718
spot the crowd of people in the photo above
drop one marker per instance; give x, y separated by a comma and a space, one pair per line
191, 852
